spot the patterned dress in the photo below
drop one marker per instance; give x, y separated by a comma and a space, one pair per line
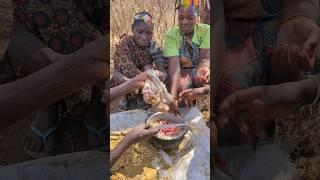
129, 59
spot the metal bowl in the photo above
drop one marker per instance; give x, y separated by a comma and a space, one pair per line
166, 142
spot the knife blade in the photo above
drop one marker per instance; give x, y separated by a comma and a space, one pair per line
172, 125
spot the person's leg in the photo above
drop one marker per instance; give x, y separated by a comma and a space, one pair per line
62, 27
96, 120
27, 55
43, 88
41, 139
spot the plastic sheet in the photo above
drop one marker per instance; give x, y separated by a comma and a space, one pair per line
191, 160
267, 161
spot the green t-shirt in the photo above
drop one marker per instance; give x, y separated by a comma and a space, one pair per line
173, 38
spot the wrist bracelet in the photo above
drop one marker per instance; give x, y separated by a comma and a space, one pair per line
316, 99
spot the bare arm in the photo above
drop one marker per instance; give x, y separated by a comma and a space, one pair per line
204, 58
28, 51
174, 74
204, 54
118, 77
138, 133
119, 150
128, 86
148, 67
123, 89
25, 96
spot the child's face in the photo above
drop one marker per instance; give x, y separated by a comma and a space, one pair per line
187, 19
142, 33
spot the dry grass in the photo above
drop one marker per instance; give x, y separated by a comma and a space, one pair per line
122, 13
302, 133
121, 18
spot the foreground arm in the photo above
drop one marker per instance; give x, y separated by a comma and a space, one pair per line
255, 106
127, 87
174, 76
188, 96
25, 96
203, 69
141, 132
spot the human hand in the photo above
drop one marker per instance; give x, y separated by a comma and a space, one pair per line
188, 96
139, 80
141, 133
119, 78
174, 107
163, 75
252, 109
202, 76
93, 56
297, 47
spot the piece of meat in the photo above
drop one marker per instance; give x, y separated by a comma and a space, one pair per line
168, 131
155, 93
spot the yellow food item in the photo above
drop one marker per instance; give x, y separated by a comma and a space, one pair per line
136, 162
148, 174
154, 123
118, 176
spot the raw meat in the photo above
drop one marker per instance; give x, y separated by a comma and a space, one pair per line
168, 131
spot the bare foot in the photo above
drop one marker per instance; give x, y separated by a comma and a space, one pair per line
45, 120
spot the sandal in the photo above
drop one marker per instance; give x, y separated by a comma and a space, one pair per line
99, 135
44, 137
123, 104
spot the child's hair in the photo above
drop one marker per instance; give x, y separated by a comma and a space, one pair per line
143, 16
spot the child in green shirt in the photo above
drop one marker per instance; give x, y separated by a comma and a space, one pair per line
187, 49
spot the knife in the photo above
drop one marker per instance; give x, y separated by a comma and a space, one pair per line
172, 125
